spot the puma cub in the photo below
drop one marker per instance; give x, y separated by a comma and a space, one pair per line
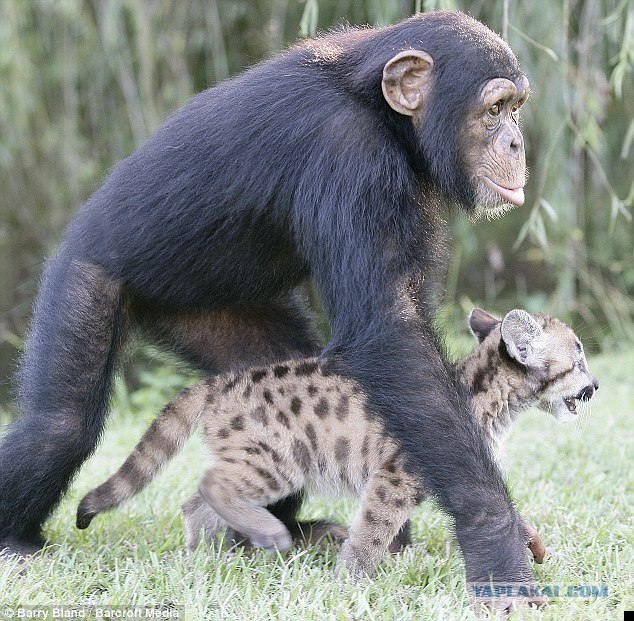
275, 430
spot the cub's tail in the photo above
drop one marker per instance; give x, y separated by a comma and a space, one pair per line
159, 444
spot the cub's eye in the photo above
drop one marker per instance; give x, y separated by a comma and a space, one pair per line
495, 109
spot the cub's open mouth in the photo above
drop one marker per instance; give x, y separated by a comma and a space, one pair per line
514, 196
571, 404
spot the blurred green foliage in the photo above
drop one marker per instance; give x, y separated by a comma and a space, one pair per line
83, 82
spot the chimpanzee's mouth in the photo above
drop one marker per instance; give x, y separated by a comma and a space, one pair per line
515, 196
571, 404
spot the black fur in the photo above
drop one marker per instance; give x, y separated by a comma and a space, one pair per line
296, 168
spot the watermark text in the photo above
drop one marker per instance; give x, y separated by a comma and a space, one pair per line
90, 612
551, 591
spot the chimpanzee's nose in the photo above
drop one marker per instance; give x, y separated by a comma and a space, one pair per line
587, 392
516, 144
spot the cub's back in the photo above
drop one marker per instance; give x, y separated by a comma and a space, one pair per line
300, 418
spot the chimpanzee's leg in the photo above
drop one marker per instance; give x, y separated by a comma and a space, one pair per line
64, 384
65, 379
233, 338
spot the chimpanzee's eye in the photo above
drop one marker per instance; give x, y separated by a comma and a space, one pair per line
495, 109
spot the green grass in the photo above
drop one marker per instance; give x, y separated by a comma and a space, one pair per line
574, 483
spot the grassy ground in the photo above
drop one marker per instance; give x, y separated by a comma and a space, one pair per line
574, 483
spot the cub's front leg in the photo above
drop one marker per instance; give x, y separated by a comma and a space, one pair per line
387, 504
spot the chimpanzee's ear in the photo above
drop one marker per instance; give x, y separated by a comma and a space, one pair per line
523, 337
481, 323
407, 81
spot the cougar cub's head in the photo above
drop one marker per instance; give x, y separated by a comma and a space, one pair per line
548, 353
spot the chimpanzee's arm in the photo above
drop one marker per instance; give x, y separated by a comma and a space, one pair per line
364, 265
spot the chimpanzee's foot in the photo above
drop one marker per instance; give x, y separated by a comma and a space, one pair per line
22, 548
317, 532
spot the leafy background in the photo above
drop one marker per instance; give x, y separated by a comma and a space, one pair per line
83, 82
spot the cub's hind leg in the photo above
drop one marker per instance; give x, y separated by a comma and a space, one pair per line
243, 510
387, 504
200, 519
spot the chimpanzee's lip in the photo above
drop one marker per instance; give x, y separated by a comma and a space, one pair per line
514, 196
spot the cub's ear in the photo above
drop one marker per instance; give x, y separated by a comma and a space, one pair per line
481, 323
523, 337
406, 81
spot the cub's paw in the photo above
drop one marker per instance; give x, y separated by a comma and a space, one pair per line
353, 563
279, 540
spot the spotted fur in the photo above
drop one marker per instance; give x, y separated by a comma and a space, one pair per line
273, 431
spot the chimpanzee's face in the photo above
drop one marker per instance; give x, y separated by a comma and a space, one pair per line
494, 147
475, 157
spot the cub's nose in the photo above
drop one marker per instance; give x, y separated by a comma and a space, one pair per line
587, 392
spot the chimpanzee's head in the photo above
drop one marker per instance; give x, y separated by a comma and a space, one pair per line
462, 87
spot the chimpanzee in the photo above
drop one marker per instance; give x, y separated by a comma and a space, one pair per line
329, 161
